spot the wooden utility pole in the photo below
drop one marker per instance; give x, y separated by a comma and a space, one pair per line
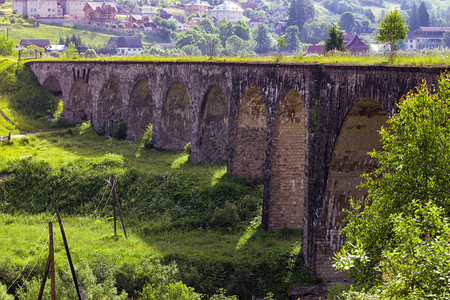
72, 269
118, 206
117, 203
49, 267
114, 206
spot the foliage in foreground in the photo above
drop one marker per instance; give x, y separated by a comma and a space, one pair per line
398, 239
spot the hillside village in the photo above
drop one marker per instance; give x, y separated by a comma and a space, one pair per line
230, 28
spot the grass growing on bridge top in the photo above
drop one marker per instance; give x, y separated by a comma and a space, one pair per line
425, 58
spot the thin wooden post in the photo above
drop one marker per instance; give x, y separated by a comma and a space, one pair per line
44, 279
9, 136
120, 210
66, 245
52, 262
114, 205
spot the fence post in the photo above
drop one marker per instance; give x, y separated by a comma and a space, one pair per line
69, 258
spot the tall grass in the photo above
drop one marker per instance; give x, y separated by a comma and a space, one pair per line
425, 58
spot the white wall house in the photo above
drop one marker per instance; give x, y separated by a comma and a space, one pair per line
229, 11
426, 37
32, 8
126, 45
75, 8
148, 11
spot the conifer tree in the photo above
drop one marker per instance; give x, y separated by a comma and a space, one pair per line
424, 17
335, 40
297, 14
414, 22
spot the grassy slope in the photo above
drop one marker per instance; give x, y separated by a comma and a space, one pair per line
214, 248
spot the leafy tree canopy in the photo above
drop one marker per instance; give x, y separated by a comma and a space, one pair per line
392, 29
347, 22
314, 32
291, 38
6, 46
397, 240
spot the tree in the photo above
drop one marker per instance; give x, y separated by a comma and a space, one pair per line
297, 14
335, 40
369, 14
397, 240
242, 30
207, 24
233, 45
392, 29
347, 22
262, 39
225, 31
414, 21
6, 46
314, 32
71, 50
424, 17
280, 43
291, 38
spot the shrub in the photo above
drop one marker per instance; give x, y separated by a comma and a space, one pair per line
147, 137
119, 130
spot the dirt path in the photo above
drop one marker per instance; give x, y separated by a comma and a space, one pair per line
17, 136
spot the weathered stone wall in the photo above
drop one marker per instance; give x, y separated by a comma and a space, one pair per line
298, 127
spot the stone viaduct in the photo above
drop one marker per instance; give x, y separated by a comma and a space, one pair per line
303, 129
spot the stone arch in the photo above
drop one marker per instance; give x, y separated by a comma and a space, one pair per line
287, 184
358, 135
52, 85
79, 106
251, 135
213, 133
110, 105
140, 113
175, 119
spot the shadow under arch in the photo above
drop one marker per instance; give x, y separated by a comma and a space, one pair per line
52, 85
110, 106
80, 102
140, 113
287, 183
358, 135
251, 135
176, 119
213, 133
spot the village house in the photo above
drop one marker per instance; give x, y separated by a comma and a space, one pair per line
100, 11
229, 11
352, 43
43, 43
425, 37
151, 27
126, 45
148, 11
253, 22
38, 9
191, 22
250, 5
363, 27
181, 26
136, 19
196, 7
74, 8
